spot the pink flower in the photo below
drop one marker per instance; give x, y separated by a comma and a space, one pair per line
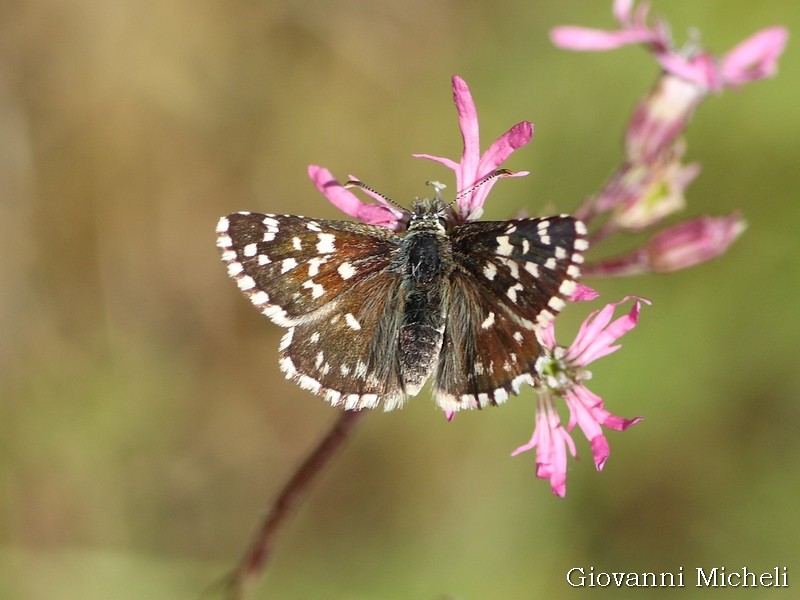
691, 243
561, 372
755, 58
475, 167
475, 174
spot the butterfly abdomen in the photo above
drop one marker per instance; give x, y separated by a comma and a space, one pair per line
428, 260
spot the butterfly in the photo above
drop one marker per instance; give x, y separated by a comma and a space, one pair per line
372, 314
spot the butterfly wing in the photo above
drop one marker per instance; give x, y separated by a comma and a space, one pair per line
510, 279
330, 284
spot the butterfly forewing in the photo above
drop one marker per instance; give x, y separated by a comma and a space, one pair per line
529, 265
330, 283
290, 266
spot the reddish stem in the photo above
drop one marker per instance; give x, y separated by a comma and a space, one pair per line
254, 561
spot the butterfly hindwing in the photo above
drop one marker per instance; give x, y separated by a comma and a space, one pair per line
486, 354
349, 355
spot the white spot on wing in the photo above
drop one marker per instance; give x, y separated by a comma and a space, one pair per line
361, 370
287, 264
308, 383
567, 288
512, 291
296, 244
326, 243
287, 366
286, 340
260, 297
250, 250
313, 265
488, 322
246, 283
490, 271
556, 303
513, 267
316, 289
519, 380
352, 322
504, 248
346, 270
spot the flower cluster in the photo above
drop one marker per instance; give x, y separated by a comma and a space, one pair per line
650, 183
648, 187
562, 373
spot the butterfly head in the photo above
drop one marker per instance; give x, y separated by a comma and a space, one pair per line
428, 214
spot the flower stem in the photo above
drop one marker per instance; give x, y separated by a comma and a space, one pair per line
254, 561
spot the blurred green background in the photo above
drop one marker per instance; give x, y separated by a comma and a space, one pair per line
145, 424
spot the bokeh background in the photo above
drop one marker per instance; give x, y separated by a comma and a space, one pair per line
144, 422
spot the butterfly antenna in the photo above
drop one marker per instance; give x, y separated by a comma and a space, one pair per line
493, 175
351, 183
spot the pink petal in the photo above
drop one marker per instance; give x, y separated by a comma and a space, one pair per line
583, 293
693, 242
450, 164
588, 39
699, 69
470, 133
596, 334
756, 57
587, 411
348, 202
600, 451
622, 11
552, 443
548, 336
516, 137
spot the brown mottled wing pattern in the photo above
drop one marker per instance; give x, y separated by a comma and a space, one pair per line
510, 279
340, 308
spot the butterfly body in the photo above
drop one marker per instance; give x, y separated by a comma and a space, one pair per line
373, 314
